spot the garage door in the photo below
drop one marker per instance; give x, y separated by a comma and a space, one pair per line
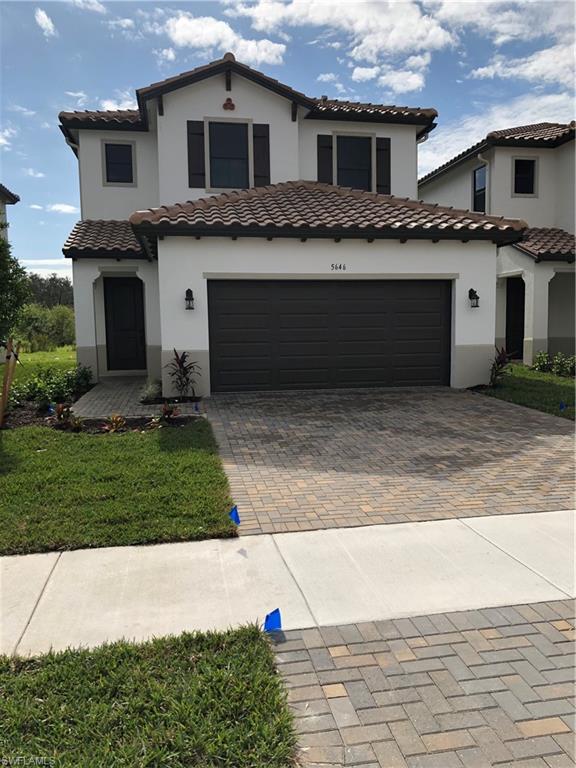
293, 334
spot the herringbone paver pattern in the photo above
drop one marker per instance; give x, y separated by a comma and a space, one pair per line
299, 461
466, 690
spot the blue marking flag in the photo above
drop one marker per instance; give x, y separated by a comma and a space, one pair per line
273, 621
196, 408
562, 405
51, 410
234, 516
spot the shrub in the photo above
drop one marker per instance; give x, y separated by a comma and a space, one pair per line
114, 423
151, 391
542, 363
499, 365
53, 386
562, 365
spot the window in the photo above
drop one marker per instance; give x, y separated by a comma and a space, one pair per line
118, 164
479, 190
524, 177
354, 162
229, 160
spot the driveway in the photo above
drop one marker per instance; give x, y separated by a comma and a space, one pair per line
301, 461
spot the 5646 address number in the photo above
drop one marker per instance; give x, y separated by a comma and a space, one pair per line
338, 267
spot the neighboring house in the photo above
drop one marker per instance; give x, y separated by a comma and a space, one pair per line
6, 198
527, 173
218, 218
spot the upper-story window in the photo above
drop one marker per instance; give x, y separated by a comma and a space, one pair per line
228, 154
360, 162
524, 176
479, 189
119, 163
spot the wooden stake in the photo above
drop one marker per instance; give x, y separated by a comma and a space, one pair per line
6, 381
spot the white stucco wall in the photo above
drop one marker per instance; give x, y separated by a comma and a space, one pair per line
188, 263
403, 150
106, 201
538, 210
565, 203
455, 187
561, 316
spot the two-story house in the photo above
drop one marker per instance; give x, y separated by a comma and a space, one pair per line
276, 238
528, 173
6, 198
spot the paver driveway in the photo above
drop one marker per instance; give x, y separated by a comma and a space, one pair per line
300, 461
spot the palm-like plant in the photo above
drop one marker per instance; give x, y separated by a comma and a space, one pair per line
183, 373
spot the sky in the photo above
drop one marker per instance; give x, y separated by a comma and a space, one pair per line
483, 64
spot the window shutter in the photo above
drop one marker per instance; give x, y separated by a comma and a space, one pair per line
261, 145
383, 166
196, 167
324, 158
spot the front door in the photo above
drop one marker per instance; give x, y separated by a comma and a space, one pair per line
124, 311
515, 317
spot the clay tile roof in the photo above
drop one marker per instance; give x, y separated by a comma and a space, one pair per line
547, 244
339, 109
313, 209
546, 135
103, 238
116, 118
7, 196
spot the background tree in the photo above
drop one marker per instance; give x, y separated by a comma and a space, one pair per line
51, 291
14, 289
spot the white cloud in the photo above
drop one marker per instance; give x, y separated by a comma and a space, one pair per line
90, 5
550, 65
122, 100
327, 77
363, 74
401, 80
80, 97
420, 61
6, 136
45, 124
164, 55
21, 110
62, 208
36, 207
453, 137
33, 174
45, 23
45, 267
206, 33
121, 24
374, 28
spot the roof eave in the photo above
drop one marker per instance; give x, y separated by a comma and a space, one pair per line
546, 256
467, 155
87, 253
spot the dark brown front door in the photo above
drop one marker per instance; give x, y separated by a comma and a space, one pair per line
124, 310
322, 334
515, 317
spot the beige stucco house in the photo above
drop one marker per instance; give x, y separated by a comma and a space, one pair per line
277, 238
525, 172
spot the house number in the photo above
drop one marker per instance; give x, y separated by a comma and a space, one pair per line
338, 267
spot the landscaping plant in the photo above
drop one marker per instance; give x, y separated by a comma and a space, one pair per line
151, 391
49, 385
183, 372
499, 365
559, 364
114, 423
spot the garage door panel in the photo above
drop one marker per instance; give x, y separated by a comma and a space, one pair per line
331, 333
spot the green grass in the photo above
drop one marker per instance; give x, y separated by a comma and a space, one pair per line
542, 391
62, 358
198, 700
60, 490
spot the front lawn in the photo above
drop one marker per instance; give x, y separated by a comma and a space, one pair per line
61, 359
542, 391
60, 490
198, 700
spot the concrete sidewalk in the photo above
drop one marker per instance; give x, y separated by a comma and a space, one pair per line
329, 577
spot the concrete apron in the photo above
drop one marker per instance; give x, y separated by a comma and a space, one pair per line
318, 578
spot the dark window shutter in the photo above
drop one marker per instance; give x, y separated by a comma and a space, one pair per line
196, 167
261, 145
325, 158
383, 166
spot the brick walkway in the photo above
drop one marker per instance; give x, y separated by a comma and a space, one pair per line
301, 461
459, 690
119, 395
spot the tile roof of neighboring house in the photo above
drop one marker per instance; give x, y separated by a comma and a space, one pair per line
313, 209
136, 119
92, 238
547, 244
7, 196
546, 135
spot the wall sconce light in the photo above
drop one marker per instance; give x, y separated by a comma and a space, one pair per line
474, 298
189, 297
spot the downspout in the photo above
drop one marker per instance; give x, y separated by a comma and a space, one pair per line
488, 182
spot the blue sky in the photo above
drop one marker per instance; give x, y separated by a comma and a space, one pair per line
483, 65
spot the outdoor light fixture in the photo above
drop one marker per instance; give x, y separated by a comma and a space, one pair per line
474, 298
189, 298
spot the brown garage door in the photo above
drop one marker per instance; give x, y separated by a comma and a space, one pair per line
318, 334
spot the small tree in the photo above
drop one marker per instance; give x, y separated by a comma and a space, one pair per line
14, 288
